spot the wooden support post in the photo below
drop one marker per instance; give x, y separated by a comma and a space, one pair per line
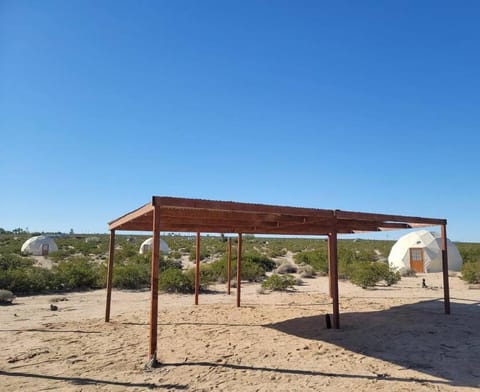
109, 275
229, 264
333, 263
197, 268
330, 278
446, 287
239, 268
154, 286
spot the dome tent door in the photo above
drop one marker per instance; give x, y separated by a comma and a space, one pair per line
416, 259
44, 249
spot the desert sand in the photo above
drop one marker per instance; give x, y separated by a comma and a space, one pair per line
391, 339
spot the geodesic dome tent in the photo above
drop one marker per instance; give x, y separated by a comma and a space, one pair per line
421, 251
39, 246
147, 246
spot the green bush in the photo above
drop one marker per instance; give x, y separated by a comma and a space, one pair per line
207, 276
76, 273
174, 280
251, 270
317, 259
27, 280
471, 272
13, 261
131, 276
364, 275
279, 282
369, 274
263, 261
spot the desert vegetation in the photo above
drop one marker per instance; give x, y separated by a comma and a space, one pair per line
81, 262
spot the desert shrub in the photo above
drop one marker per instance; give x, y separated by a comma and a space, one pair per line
391, 277
76, 273
471, 272
317, 259
168, 263
286, 268
299, 282
470, 252
131, 276
27, 280
6, 297
364, 275
175, 255
207, 276
409, 272
204, 253
306, 271
174, 280
369, 274
263, 261
279, 282
251, 270
13, 261
277, 252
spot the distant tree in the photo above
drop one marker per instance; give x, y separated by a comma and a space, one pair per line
71, 232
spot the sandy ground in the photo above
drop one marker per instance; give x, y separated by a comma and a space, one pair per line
392, 339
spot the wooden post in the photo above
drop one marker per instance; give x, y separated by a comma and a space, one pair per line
154, 286
229, 264
239, 268
109, 275
333, 263
330, 278
197, 268
446, 287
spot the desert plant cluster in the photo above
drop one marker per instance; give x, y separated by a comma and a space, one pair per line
81, 263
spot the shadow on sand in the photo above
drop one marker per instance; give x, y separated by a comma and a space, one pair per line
417, 336
92, 381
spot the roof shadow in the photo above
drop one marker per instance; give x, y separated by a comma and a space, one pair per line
417, 336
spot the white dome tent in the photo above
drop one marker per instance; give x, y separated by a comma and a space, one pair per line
147, 246
39, 246
421, 251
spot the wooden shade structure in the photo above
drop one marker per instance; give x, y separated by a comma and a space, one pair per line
174, 214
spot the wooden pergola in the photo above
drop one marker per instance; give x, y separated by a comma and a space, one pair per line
174, 214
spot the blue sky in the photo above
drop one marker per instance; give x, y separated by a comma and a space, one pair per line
364, 106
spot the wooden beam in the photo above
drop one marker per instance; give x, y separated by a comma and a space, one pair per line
197, 268
239, 268
154, 287
165, 201
387, 218
446, 286
186, 214
333, 262
146, 209
111, 253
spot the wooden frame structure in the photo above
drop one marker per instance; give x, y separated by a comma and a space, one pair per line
174, 214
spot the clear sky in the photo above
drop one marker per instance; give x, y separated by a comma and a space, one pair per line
365, 106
